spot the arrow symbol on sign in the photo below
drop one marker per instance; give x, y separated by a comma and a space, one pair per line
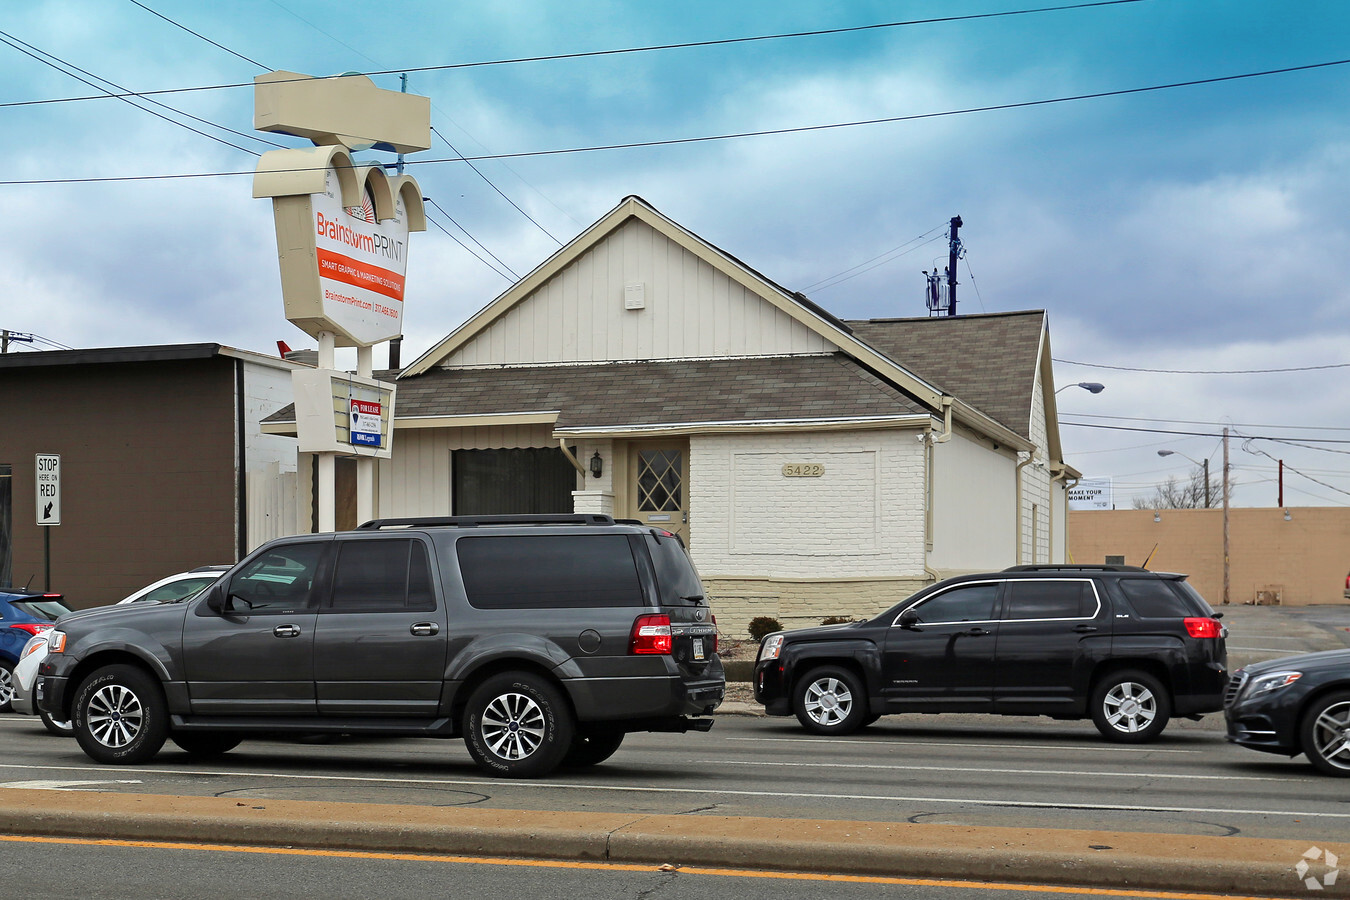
47, 510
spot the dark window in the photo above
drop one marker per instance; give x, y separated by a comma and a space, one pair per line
42, 609
1151, 598
512, 482
972, 603
383, 574
676, 577
1050, 600
279, 579
547, 571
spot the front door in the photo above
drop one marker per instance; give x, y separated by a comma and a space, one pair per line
658, 485
943, 661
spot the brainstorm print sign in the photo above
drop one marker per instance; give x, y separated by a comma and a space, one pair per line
361, 264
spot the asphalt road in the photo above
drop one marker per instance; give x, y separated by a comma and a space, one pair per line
70, 870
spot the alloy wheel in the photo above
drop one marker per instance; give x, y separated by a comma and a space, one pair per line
1331, 734
828, 701
115, 716
1130, 707
513, 726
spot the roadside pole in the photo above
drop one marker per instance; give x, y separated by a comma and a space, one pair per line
47, 468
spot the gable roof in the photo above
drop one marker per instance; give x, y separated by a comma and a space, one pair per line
989, 361
632, 207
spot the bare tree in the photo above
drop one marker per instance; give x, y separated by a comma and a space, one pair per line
1188, 494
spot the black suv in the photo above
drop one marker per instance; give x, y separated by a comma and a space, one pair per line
542, 640
1128, 647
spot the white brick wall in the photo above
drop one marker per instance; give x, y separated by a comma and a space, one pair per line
863, 518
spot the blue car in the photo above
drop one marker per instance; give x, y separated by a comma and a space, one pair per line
23, 614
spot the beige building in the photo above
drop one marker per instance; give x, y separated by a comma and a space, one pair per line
1296, 556
814, 466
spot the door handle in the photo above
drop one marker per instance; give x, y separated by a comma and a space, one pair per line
1084, 629
425, 629
286, 631
976, 632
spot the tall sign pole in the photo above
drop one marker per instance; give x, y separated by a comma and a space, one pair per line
48, 479
1225, 516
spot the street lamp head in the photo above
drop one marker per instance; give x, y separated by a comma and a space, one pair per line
1094, 387
1166, 452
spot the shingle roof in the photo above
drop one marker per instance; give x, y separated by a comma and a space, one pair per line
987, 361
657, 393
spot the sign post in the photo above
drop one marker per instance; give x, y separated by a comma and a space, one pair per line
48, 480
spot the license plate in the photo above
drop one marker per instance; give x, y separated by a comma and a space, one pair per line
698, 648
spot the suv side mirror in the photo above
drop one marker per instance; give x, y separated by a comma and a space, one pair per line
215, 598
909, 619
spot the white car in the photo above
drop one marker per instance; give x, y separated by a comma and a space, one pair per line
25, 676
166, 590
177, 587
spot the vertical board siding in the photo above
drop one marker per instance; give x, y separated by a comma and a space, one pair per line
692, 310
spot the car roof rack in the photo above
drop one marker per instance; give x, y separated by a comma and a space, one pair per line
477, 521
1077, 567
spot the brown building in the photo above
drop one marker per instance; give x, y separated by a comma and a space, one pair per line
160, 452
1297, 556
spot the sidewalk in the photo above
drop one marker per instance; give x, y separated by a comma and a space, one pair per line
1211, 865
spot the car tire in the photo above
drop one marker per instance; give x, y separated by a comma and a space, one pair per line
1130, 707
830, 700
120, 715
592, 747
60, 729
1324, 734
6, 686
517, 725
205, 744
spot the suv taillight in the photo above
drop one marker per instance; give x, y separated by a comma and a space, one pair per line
1203, 627
651, 634
716, 632
31, 627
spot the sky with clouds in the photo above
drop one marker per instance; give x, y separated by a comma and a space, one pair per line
1197, 228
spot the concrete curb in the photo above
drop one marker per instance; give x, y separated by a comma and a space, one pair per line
1212, 865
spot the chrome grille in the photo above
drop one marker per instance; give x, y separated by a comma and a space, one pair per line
1234, 690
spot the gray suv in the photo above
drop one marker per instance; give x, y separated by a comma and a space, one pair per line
541, 640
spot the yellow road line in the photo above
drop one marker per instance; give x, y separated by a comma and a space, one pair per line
624, 867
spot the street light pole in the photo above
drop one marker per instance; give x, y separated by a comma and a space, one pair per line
1225, 515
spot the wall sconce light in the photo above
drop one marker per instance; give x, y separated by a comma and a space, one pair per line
1287, 517
1156, 517
597, 465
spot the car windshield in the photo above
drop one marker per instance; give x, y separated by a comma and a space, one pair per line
51, 610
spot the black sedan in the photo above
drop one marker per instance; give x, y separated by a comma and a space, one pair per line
1292, 705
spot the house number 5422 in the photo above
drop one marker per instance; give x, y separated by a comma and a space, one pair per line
803, 470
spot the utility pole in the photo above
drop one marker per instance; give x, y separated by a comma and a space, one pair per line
1206, 460
1281, 500
954, 253
1225, 516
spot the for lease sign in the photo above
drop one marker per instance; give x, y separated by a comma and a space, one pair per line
362, 264
365, 427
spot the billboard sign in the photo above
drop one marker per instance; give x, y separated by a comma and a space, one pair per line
1091, 493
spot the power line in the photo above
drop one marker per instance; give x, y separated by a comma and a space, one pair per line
1208, 434
769, 132
822, 285
629, 50
203, 37
55, 62
1215, 424
469, 249
1071, 362
475, 240
495, 188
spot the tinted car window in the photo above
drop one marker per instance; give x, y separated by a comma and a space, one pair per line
675, 574
545, 571
1151, 598
1050, 600
382, 574
42, 609
279, 579
971, 603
